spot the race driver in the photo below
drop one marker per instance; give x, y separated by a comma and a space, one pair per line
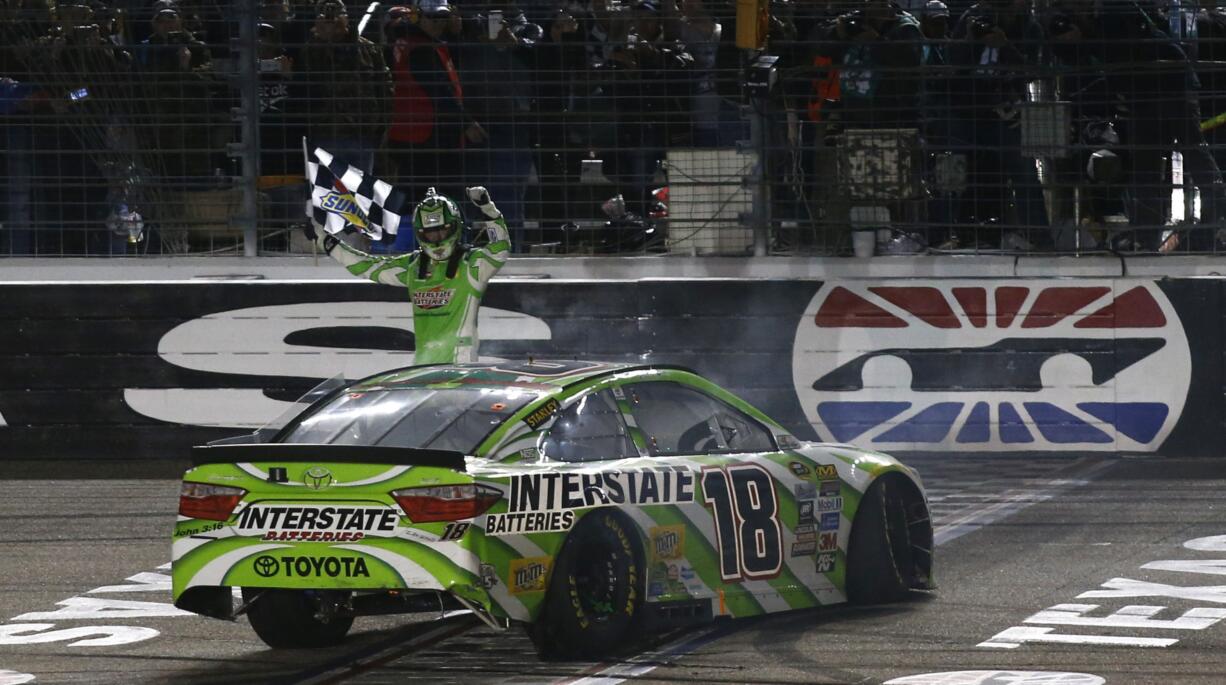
445, 277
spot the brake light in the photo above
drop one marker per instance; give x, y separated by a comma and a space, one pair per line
212, 502
446, 502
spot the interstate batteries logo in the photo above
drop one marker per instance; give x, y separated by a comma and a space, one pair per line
981, 365
433, 298
310, 523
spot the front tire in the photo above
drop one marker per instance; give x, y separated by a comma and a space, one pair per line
595, 594
878, 553
287, 619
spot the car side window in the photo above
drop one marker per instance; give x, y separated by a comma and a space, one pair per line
676, 419
590, 429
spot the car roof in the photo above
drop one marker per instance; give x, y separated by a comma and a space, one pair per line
543, 375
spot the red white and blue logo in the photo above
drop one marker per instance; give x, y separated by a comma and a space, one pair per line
992, 365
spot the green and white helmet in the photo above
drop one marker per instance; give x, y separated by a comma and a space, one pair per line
437, 223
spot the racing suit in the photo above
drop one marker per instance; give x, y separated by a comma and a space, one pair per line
445, 295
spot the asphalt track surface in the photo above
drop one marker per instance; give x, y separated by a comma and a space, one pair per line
1115, 564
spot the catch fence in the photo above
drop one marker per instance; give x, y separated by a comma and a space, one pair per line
615, 128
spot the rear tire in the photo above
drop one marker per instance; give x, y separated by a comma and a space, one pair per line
595, 593
286, 619
878, 553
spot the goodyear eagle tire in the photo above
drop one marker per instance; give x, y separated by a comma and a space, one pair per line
595, 593
878, 553
286, 619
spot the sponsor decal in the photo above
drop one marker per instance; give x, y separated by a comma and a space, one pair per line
316, 523
674, 573
993, 365
667, 542
825, 562
317, 478
619, 393
521, 522
827, 472
198, 530
343, 205
541, 415
489, 577
828, 504
830, 521
804, 549
530, 454
829, 488
529, 574
806, 533
799, 469
828, 541
310, 567
804, 511
687, 573
656, 588
573, 490
805, 490
433, 298
786, 442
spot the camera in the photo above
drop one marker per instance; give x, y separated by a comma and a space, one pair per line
980, 27
853, 24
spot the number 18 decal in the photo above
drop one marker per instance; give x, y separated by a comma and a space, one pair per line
742, 500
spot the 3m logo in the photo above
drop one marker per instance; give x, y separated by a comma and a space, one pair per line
991, 366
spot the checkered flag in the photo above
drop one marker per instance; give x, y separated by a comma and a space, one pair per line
343, 195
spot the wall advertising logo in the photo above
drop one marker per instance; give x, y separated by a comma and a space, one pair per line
274, 342
989, 366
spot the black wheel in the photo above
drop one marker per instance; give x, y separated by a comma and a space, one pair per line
879, 553
287, 618
594, 593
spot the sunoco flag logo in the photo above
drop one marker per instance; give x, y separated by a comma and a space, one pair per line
984, 365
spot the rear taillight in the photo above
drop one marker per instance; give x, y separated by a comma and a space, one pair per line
446, 502
212, 502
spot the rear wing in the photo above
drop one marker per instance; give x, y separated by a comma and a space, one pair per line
298, 453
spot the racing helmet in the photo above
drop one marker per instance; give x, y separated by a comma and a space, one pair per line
437, 223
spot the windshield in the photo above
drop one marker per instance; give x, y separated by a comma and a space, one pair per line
416, 416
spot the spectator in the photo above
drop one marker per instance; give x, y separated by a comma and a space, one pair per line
877, 50
1122, 53
281, 131
946, 166
497, 69
996, 51
650, 91
430, 125
694, 26
348, 88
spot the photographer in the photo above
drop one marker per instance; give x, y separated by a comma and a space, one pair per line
878, 49
497, 69
430, 125
348, 87
996, 51
649, 84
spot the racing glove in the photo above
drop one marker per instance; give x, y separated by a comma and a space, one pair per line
480, 197
327, 244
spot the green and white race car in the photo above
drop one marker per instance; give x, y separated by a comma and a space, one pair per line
585, 500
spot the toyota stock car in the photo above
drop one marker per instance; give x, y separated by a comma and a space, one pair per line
587, 501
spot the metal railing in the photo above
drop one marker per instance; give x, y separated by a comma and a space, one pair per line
608, 128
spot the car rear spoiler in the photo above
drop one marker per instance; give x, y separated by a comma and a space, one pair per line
298, 453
